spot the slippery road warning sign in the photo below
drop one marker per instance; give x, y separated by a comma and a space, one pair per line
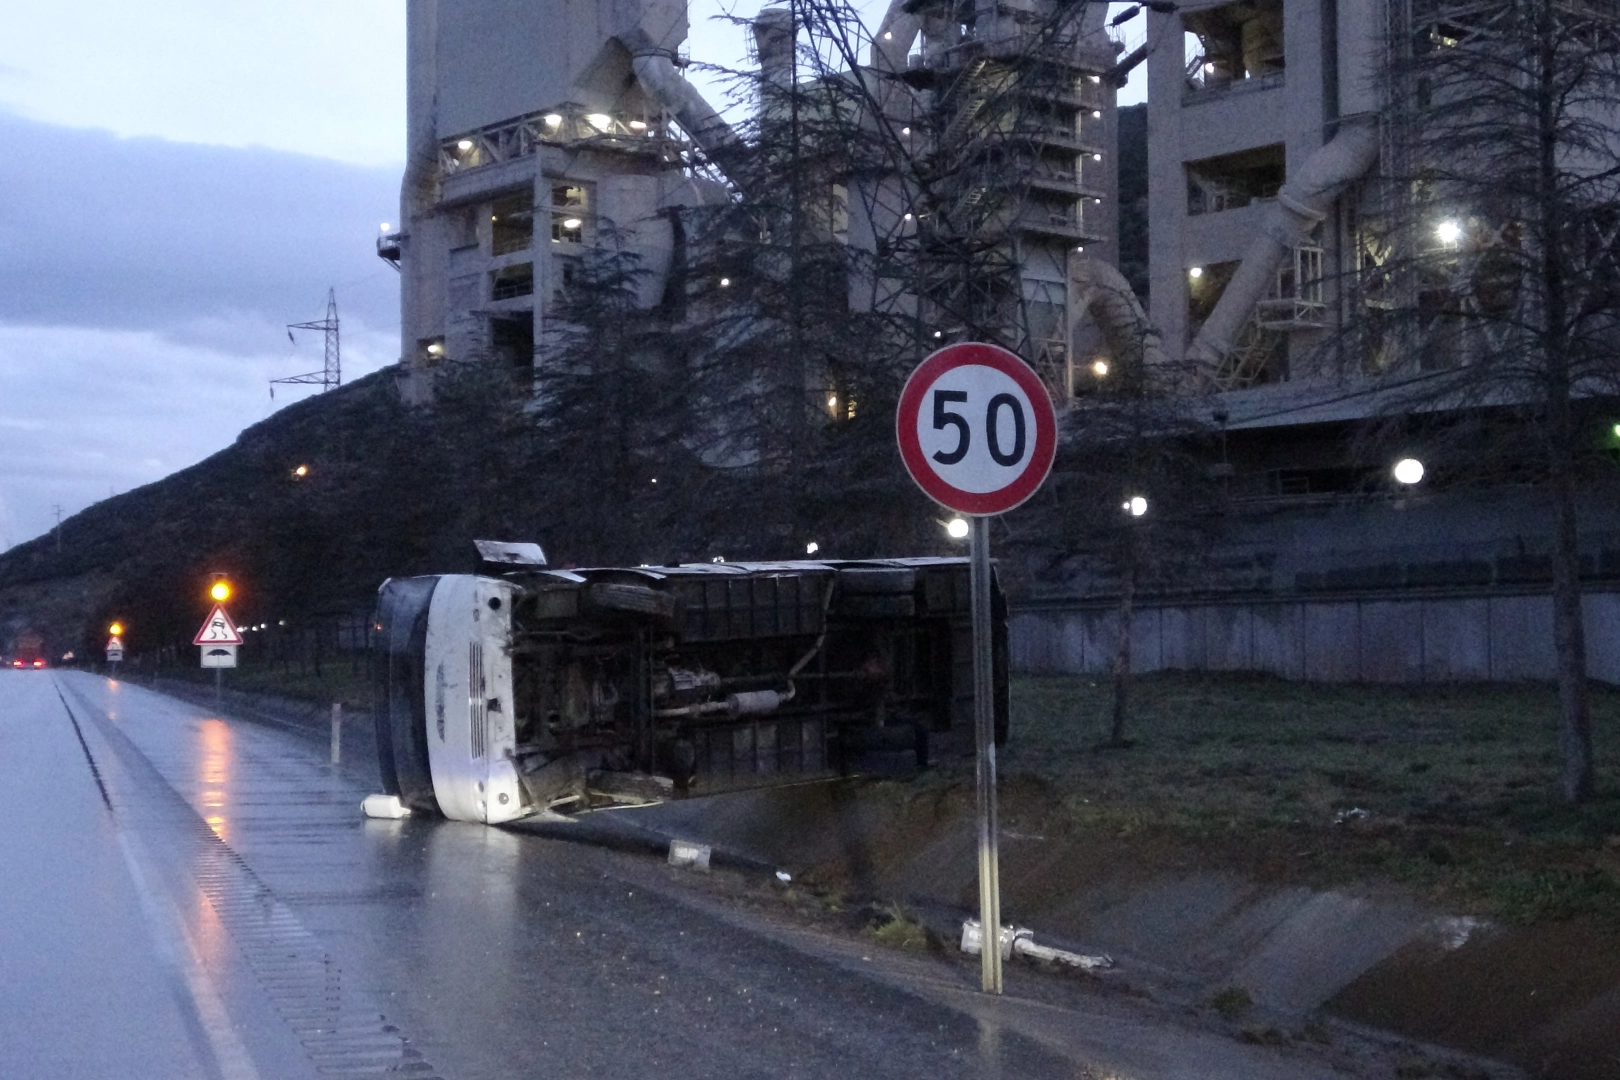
976, 429
218, 630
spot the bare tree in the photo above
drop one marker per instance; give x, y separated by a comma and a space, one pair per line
1131, 502
1494, 259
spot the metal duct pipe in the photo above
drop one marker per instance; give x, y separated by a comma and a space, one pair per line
891, 44
774, 43
1102, 291
657, 75
1301, 203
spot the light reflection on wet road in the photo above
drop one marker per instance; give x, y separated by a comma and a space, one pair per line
315, 942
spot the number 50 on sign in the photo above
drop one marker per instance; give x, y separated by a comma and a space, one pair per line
976, 429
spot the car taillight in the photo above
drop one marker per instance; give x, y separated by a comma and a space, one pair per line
39, 663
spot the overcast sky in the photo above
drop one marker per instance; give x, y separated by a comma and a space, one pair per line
182, 179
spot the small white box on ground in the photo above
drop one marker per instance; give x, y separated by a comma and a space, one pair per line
686, 853
386, 807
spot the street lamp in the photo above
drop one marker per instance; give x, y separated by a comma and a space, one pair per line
1449, 232
1408, 471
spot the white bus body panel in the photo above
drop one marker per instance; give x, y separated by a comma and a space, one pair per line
468, 677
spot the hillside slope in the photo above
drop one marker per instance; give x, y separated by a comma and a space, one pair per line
387, 491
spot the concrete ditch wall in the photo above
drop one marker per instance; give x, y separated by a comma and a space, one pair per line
1388, 638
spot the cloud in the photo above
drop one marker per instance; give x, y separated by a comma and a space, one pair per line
143, 234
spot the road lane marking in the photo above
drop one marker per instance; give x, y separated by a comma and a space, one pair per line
173, 946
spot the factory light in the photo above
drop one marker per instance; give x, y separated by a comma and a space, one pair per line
1209, 69
907, 217
385, 226
905, 131
572, 223
435, 349
599, 121
1096, 157
888, 35
301, 471
832, 402
553, 119
811, 548
1081, 247
638, 125
464, 145
956, 528
1135, 506
938, 333
1099, 367
655, 479
1095, 78
1096, 114
1408, 471
1449, 232
718, 558
725, 283
1195, 272
1616, 430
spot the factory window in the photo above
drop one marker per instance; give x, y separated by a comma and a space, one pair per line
569, 205
1234, 44
1233, 180
511, 224
512, 281
568, 273
511, 340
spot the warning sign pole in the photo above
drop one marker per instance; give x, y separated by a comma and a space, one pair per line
984, 735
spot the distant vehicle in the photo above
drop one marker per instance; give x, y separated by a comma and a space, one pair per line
28, 650
568, 690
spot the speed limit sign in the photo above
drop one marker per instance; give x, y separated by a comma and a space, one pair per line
976, 429
977, 433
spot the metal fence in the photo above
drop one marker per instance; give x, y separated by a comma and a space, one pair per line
1391, 638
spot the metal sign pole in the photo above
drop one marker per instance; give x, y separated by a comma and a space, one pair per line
984, 732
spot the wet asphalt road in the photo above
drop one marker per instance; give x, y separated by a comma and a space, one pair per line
189, 897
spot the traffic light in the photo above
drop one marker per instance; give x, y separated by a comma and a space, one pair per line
220, 590
116, 629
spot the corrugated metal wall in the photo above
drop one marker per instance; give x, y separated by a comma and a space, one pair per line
1391, 639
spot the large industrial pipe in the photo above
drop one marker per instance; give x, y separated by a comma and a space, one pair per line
1302, 202
1097, 289
891, 44
655, 71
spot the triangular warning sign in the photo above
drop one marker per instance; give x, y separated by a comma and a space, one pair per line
218, 630
115, 642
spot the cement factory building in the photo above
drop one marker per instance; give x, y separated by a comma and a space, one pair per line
535, 129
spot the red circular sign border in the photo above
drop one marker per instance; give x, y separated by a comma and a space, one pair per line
978, 504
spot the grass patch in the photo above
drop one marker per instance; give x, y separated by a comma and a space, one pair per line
339, 681
896, 928
1448, 789
1232, 1002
